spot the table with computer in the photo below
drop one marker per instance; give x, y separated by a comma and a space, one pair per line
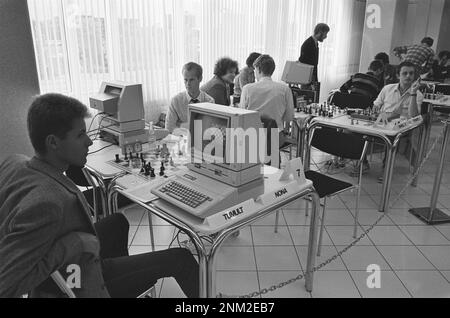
224, 186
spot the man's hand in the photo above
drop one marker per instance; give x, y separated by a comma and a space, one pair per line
415, 86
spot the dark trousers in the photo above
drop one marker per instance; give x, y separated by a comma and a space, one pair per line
130, 276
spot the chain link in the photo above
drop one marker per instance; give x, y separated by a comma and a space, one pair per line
356, 241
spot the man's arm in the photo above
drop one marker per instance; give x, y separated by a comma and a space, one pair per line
346, 86
416, 100
172, 116
379, 102
30, 251
244, 98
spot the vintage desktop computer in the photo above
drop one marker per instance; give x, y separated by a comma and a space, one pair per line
121, 120
296, 74
210, 186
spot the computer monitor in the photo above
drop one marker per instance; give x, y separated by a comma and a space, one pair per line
122, 119
297, 73
226, 142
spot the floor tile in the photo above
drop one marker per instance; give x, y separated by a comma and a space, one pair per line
171, 289
265, 235
236, 258
236, 283
438, 255
326, 253
334, 284
390, 285
425, 284
162, 234
131, 233
370, 216
403, 217
243, 239
365, 202
296, 217
133, 214
444, 229
424, 235
338, 217
300, 235
279, 258
293, 290
360, 257
388, 235
446, 274
270, 220
343, 235
405, 258
155, 220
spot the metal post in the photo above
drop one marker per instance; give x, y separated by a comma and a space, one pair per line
312, 242
431, 215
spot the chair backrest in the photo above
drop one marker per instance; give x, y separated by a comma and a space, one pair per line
344, 100
338, 143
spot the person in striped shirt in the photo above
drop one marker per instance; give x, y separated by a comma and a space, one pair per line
365, 84
421, 55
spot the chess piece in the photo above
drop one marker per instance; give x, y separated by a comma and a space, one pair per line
131, 155
164, 151
162, 166
142, 157
171, 162
152, 173
352, 122
126, 158
117, 159
161, 171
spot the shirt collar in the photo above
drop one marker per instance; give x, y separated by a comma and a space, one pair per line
265, 78
189, 98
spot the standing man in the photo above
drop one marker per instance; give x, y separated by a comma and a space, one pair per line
177, 113
310, 48
421, 55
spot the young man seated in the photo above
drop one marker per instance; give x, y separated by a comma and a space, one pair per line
271, 99
45, 223
367, 84
403, 99
177, 113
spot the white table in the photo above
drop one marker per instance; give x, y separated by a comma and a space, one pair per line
195, 227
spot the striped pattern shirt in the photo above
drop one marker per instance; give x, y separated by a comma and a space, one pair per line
420, 55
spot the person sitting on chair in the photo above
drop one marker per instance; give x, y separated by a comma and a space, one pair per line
365, 84
403, 99
177, 113
45, 224
246, 76
269, 98
219, 86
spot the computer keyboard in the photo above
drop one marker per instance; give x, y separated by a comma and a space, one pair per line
184, 194
196, 194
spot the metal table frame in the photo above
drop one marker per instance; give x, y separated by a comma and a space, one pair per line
391, 145
207, 262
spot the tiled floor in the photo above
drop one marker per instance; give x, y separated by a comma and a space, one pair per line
414, 258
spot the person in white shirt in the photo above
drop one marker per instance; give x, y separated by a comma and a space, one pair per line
404, 98
269, 98
177, 113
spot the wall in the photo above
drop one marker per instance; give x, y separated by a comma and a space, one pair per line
443, 42
18, 77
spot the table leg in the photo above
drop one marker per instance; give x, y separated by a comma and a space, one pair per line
420, 155
388, 172
312, 243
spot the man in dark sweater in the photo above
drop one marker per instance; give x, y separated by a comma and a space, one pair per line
310, 48
365, 84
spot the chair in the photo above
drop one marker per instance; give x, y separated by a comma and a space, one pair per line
96, 196
340, 144
285, 142
344, 100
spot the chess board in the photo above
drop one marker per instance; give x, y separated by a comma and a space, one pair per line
155, 161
